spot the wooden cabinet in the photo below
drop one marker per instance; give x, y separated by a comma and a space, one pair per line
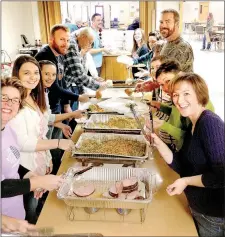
113, 70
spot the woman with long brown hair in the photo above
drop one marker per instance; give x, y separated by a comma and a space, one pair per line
139, 47
31, 126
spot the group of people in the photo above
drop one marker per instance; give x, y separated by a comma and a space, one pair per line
39, 108
40, 103
187, 133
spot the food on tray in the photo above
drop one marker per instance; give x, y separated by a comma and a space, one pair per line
84, 190
117, 122
126, 189
130, 185
129, 91
95, 108
98, 94
118, 146
129, 81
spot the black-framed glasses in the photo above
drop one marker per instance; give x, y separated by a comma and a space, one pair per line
15, 101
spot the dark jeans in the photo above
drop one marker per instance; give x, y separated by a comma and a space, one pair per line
99, 69
55, 133
204, 43
30, 206
41, 203
74, 104
208, 225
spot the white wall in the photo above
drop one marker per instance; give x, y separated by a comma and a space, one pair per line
35, 16
121, 10
17, 19
191, 11
217, 9
162, 5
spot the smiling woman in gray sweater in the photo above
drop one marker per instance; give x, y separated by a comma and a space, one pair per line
201, 160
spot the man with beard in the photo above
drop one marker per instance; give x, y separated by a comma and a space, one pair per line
97, 49
175, 46
58, 96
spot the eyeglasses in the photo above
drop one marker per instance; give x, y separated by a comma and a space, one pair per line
14, 101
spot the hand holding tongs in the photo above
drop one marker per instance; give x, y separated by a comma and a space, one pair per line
139, 122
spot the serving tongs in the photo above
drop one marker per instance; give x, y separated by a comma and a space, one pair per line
131, 105
148, 137
83, 170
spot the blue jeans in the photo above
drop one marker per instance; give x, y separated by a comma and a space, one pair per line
204, 43
74, 104
208, 225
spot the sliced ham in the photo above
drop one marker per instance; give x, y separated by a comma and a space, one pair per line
84, 191
132, 195
122, 196
119, 187
129, 182
131, 188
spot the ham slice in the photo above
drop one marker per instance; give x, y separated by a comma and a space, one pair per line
84, 190
130, 185
122, 196
119, 186
127, 183
113, 192
133, 195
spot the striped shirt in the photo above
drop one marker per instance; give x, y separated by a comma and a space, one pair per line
74, 69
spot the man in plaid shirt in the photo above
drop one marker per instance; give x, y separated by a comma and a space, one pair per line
75, 73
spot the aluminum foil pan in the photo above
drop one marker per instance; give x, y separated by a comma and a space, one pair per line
102, 178
101, 137
91, 126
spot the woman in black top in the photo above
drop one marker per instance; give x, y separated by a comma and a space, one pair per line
201, 160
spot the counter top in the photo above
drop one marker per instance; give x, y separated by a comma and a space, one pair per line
117, 53
166, 216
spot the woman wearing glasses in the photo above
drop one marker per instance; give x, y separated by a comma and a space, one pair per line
12, 187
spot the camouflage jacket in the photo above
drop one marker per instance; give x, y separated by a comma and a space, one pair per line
182, 51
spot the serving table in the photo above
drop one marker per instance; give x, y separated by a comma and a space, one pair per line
166, 216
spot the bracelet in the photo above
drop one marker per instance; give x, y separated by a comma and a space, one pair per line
58, 143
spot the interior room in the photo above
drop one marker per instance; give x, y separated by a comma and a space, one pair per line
112, 118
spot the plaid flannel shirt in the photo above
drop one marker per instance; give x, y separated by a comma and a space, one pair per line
74, 69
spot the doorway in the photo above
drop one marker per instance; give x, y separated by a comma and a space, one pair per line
203, 11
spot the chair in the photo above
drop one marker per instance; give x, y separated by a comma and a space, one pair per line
191, 30
217, 40
199, 29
